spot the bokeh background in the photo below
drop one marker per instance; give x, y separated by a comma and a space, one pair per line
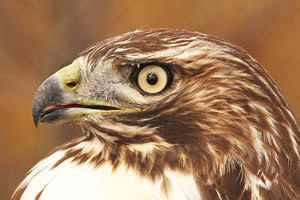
39, 37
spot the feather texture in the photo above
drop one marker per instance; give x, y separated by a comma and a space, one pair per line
70, 180
220, 130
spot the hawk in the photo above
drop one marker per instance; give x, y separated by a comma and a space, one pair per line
167, 114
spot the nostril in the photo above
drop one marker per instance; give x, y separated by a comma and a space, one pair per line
71, 84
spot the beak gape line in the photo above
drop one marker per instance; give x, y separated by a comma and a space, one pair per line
48, 94
55, 101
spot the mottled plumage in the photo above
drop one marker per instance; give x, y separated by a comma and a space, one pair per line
220, 128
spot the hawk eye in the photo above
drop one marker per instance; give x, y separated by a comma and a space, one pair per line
152, 79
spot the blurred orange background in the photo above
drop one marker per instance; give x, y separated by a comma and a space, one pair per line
39, 37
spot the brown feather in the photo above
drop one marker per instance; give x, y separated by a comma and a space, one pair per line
223, 119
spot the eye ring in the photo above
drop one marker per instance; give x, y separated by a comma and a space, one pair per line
153, 79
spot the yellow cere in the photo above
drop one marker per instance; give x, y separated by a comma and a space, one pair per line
69, 75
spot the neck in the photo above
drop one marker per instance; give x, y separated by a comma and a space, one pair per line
255, 178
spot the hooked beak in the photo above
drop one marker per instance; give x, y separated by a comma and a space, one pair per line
56, 99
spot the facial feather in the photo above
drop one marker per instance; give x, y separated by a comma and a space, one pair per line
222, 120
223, 101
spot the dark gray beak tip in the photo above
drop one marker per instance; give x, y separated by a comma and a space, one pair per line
36, 110
36, 125
36, 121
49, 93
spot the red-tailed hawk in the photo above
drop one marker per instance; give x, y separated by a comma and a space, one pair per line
168, 114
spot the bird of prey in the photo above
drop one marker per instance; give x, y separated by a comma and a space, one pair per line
167, 114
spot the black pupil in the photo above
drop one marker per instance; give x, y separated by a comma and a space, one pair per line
152, 78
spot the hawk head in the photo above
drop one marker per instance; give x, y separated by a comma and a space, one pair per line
157, 99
